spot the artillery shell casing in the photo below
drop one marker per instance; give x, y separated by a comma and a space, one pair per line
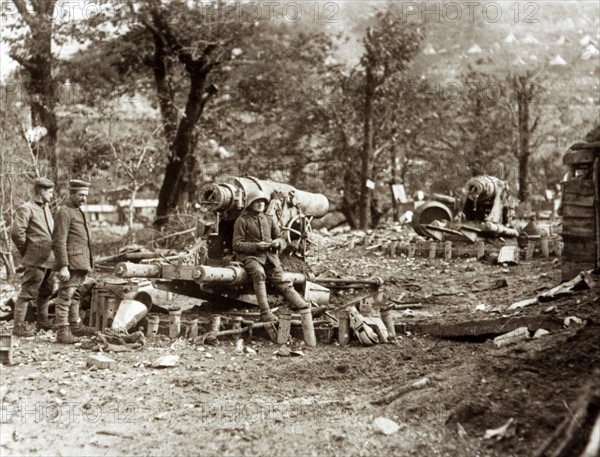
308, 328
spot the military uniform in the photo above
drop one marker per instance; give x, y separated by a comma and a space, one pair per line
31, 232
71, 244
249, 230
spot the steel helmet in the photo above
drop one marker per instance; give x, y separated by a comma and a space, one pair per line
256, 194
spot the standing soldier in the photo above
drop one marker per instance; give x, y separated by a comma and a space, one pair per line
73, 252
256, 240
32, 234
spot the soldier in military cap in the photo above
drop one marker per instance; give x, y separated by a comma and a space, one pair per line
31, 232
256, 241
71, 244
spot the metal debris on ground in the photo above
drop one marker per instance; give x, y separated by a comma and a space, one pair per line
519, 334
166, 361
504, 431
385, 426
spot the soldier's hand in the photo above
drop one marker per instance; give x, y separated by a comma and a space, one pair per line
63, 274
264, 245
275, 244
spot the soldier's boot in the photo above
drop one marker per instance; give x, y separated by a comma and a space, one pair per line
20, 329
260, 289
43, 321
64, 335
294, 298
78, 329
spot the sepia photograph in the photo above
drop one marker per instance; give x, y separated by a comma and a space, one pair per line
300, 228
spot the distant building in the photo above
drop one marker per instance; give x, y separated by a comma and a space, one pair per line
144, 208
98, 213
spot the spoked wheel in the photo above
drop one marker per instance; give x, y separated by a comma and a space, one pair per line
299, 232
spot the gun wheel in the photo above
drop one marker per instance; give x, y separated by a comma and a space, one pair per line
299, 231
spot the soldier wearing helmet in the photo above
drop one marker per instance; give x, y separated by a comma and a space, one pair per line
256, 242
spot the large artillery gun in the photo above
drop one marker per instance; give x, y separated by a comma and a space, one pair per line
215, 276
221, 204
488, 211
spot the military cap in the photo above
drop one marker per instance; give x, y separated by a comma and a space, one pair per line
77, 184
43, 183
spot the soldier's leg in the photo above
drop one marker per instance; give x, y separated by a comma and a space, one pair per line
45, 291
62, 305
286, 288
77, 328
32, 278
256, 272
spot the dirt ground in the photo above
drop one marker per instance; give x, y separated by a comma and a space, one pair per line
219, 402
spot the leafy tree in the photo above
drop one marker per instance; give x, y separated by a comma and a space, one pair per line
124, 163
187, 48
389, 46
33, 26
525, 92
475, 134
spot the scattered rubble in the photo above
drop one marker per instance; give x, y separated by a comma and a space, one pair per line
166, 361
101, 361
501, 432
385, 426
519, 334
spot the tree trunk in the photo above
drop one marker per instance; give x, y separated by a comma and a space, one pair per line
395, 165
350, 204
41, 87
180, 148
164, 90
524, 138
367, 151
132, 197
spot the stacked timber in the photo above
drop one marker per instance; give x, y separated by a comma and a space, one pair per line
580, 209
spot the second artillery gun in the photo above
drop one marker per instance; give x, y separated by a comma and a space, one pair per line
488, 211
214, 275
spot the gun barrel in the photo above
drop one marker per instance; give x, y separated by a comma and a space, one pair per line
229, 198
368, 281
203, 274
234, 274
136, 270
499, 229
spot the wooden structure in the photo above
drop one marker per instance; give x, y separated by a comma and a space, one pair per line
581, 209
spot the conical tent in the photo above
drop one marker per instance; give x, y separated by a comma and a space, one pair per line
558, 60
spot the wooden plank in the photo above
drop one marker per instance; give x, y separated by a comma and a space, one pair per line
596, 176
581, 232
575, 222
579, 212
576, 255
487, 327
594, 145
578, 200
579, 187
579, 156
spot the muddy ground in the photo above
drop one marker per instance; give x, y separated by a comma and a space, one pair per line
219, 402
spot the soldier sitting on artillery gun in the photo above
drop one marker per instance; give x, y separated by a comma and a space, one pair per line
256, 241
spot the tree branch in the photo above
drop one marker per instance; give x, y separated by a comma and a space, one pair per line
23, 61
26, 15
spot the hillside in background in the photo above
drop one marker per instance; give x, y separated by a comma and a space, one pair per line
559, 39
